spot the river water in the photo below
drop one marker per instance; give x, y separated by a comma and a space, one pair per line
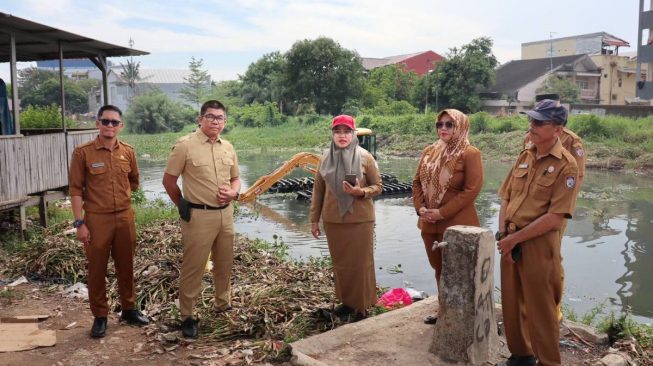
607, 248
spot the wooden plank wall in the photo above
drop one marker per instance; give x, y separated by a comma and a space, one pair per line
38, 163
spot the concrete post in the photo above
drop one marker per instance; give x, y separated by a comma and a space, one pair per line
466, 330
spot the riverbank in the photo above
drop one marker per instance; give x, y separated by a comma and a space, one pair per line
276, 301
611, 143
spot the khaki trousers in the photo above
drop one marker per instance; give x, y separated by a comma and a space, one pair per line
209, 231
530, 292
111, 234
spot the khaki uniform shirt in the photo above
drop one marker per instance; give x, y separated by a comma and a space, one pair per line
457, 205
573, 144
204, 167
103, 178
535, 187
324, 203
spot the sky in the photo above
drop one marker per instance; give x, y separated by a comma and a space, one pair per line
229, 35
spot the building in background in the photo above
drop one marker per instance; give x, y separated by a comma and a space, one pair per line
518, 81
644, 89
419, 62
600, 43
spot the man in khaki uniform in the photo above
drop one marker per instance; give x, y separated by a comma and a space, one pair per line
572, 143
537, 195
209, 167
103, 173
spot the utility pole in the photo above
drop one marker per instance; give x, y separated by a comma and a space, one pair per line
551, 51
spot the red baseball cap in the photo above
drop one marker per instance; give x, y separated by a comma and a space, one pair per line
344, 120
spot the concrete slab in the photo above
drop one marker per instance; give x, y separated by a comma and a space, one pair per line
398, 337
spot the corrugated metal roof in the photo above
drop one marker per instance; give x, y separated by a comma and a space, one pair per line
370, 63
35, 42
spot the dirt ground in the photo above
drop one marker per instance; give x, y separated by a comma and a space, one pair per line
123, 344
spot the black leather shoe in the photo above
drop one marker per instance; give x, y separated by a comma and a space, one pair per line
189, 327
99, 328
342, 310
519, 361
134, 317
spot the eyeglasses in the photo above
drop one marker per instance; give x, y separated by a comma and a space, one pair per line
211, 118
539, 123
113, 122
343, 132
441, 125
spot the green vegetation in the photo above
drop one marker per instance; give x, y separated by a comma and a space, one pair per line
43, 117
622, 326
155, 112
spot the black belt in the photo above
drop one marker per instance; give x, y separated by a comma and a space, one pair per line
206, 207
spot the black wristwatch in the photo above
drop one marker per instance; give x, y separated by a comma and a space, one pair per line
78, 223
237, 196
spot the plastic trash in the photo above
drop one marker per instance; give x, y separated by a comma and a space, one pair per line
18, 281
395, 298
416, 295
77, 291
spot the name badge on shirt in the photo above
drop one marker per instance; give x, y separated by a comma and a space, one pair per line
523, 166
97, 165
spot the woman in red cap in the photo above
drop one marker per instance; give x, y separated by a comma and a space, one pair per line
347, 214
448, 179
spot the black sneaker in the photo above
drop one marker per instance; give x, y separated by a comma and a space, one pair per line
189, 327
519, 361
99, 328
134, 317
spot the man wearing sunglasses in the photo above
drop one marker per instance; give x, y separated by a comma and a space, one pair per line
103, 173
537, 195
211, 181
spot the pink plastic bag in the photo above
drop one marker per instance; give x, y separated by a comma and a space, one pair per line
395, 298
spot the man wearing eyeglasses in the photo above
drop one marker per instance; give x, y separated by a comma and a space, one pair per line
537, 195
211, 181
103, 173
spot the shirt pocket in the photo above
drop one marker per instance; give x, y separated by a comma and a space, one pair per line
226, 164
519, 177
202, 168
97, 170
544, 187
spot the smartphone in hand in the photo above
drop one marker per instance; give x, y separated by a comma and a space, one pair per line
351, 179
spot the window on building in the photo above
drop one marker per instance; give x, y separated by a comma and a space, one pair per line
582, 84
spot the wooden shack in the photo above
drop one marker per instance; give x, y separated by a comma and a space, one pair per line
34, 163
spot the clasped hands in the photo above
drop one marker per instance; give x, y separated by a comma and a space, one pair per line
430, 215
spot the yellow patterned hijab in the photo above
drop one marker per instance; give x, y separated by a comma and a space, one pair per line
437, 165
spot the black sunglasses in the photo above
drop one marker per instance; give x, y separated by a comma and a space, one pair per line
440, 125
113, 122
539, 123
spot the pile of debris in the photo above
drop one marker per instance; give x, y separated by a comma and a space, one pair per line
274, 299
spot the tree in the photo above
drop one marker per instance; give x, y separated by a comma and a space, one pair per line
264, 80
389, 83
568, 91
131, 75
49, 92
154, 112
197, 84
29, 79
228, 92
323, 75
459, 77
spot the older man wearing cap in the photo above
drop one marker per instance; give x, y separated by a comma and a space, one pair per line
537, 195
345, 183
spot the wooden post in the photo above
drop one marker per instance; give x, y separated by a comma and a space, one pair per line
14, 84
43, 210
23, 222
